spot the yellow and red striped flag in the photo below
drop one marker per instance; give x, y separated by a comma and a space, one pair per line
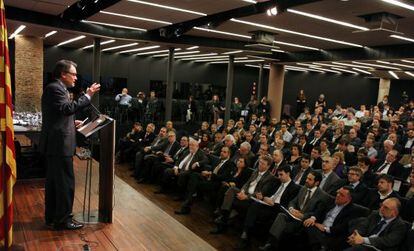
7, 153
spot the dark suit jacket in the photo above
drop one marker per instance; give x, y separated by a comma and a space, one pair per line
242, 178
340, 224
266, 184
295, 172
174, 148
390, 238
359, 193
396, 169
160, 145
180, 154
373, 200
225, 172
289, 194
332, 183
58, 137
317, 164
199, 157
316, 206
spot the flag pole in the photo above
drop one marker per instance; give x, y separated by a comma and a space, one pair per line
5, 193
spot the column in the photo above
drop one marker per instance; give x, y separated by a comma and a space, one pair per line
229, 89
383, 89
170, 85
260, 83
28, 73
275, 89
96, 68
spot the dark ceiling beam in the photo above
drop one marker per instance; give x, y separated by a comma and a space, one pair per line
214, 20
367, 53
84, 9
27, 16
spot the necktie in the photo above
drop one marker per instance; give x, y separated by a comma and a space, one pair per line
217, 168
274, 169
299, 175
378, 228
187, 162
306, 200
278, 193
382, 167
178, 152
167, 151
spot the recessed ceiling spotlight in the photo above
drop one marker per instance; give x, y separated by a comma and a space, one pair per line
272, 11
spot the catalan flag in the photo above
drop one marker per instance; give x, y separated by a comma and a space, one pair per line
7, 153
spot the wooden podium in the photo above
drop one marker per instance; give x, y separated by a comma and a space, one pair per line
103, 127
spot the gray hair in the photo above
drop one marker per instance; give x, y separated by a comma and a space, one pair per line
246, 145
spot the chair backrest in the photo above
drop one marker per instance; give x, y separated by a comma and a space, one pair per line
408, 243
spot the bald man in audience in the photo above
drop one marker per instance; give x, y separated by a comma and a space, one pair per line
384, 230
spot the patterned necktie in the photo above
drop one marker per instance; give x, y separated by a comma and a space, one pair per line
382, 167
306, 200
217, 168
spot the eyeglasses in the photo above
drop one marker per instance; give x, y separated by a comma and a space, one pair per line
71, 73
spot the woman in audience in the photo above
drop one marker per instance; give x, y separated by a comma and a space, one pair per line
205, 142
236, 108
321, 102
339, 167
295, 153
241, 175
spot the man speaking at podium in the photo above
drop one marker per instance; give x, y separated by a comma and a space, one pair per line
58, 143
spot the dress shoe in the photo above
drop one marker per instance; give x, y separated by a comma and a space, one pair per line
266, 247
183, 211
70, 225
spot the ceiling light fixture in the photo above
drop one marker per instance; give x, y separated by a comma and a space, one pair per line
216, 59
17, 31
192, 48
168, 7
402, 38
50, 34
102, 43
396, 64
196, 55
295, 69
409, 73
407, 61
72, 40
272, 11
119, 47
250, 1
362, 71
306, 69
330, 20
155, 52
377, 65
393, 74
329, 65
176, 54
295, 32
276, 50
343, 70
114, 25
135, 17
296, 45
400, 4
324, 69
223, 32
352, 65
140, 49
231, 52
238, 61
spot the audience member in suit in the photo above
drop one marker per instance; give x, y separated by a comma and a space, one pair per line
330, 180
311, 201
263, 151
278, 161
238, 179
260, 184
243, 152
383, 229
305, 147
139, 145
254, 145
230, 142
390, 166
194, 161
315, 141
170, 162
385, 191
152, 160
408, 142
359, 189
301, 171
126, 143
208, 181
286, 191
331, 230
368, 178
316, 160
159, 144
350, 157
